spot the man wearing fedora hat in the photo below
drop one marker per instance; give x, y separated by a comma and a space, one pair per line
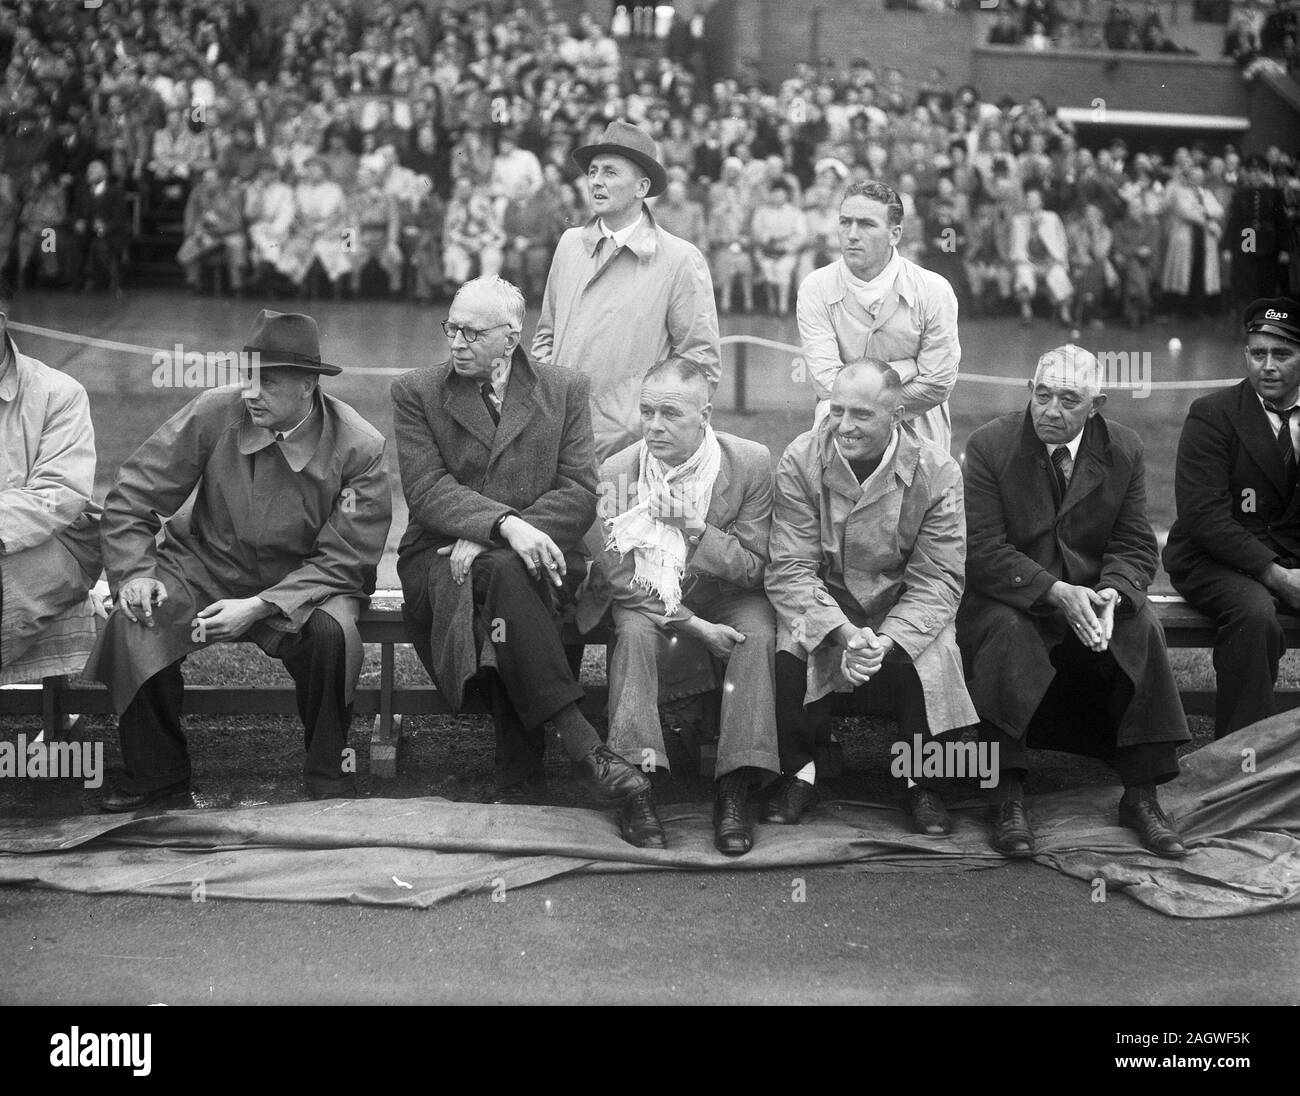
622, 293
287, 526
1234, 550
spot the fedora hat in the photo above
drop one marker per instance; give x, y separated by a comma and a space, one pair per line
288, 338
632, 143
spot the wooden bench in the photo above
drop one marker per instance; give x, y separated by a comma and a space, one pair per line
388, 703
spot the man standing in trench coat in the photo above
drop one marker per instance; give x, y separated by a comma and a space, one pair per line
288, 525
1062, 648
622, 294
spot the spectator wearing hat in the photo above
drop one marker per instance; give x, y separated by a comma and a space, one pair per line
1234, 550
1195, 226
281, 547
874, 302
622, 293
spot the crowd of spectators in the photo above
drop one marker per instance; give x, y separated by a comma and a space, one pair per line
1043, 25
402, 147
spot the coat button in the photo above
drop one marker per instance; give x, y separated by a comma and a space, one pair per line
1016, 580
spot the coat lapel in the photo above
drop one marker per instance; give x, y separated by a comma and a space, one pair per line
1090, 469
517, 408
1257, 437
719, 504
461, 400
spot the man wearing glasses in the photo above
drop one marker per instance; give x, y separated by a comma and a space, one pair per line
500, 476
1234, 551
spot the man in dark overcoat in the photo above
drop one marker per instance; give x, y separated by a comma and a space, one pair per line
1234, 550
1062, 650
499, 471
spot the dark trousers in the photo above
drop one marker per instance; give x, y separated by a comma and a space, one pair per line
1248, 645
533, 678
894, 691
155, 753
92, 256
1081, 714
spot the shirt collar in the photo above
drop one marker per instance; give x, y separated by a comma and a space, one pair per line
622, 236
886, 458
298, 449
1272, 414
8, 369
1072, 445
286, 435
643, 241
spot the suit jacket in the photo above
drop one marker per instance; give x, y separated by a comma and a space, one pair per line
732, 551
1233, 503
889, 556
460, 474
1020, 543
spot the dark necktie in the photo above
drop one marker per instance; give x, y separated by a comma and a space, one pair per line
485, 390
1063, 466
1285, 448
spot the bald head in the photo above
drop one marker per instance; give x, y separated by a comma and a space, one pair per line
866, 404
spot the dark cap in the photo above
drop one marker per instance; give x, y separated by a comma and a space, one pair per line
1274, 316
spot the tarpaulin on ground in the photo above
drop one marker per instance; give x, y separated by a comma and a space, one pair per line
1237, 803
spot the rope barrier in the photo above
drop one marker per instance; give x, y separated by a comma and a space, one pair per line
726, 340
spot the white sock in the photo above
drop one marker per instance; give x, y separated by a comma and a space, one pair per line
808, 774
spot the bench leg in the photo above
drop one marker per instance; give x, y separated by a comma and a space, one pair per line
58, 725
386, 735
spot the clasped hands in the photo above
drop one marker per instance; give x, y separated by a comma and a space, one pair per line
1089, 613
864, 652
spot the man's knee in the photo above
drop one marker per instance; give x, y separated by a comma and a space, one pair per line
636, 629
325, 634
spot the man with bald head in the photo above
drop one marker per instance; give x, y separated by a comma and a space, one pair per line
683, 541
865, 572
1063, 651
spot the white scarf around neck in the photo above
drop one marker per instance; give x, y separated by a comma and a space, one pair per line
660, 549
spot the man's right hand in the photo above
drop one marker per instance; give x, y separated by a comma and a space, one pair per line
1079, 605
1284, 582
539, 552
863, 653
720, 639
138, 595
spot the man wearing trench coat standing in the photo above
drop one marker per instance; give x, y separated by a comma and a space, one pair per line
1061, 648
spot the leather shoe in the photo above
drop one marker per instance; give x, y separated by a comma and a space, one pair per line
791, 798
731, 830
929, 815
1139, 810
608, 777
1012, 834
120, 802
639, 823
